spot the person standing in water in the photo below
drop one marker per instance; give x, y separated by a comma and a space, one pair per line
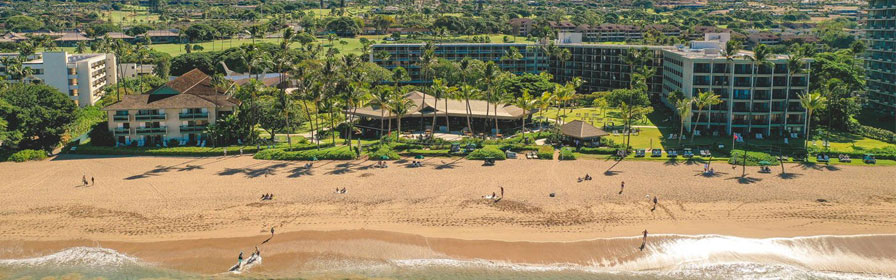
644, 241
240, 258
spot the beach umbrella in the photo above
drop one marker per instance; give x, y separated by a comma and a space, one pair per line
384, 157
418, 157
764, 163
314, 159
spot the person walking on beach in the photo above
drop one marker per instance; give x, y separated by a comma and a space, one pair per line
240, 258
502, 192
92, 182
84, 179
654, 203
622, 187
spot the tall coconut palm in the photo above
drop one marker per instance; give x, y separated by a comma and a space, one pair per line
399, 105
683, 108
439, 90
702, 100
544, 102
794, 66
526, 102
466, 93
732, 48
488, 79
380, 99
758, 61
811, 102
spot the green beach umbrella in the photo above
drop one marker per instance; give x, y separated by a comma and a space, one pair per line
384, 157
764, 163
418, 157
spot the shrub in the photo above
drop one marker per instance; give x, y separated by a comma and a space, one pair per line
487, 152
546, 152
101, 136
876, 133
753, 158
173, 143
329, 153
434, 153
26, 155
566, 154
383, 151
519, 147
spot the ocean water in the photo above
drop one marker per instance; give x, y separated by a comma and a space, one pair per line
670, 257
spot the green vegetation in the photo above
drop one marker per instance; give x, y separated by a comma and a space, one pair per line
383, 152
567, 154
26, 155
337, 153
545, 152
487, 152
752, 158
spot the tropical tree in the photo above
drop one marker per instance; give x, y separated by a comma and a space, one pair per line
380, 99
544, 101
811, 102
439, 90
683, 108
703, 99
399, 105
526, 102
758, 61
466, 93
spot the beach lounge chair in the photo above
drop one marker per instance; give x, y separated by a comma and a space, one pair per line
671, 136
672, 153
510, 154
845, 158
869, 159
528, 155
696, 132
688, 152
640, 153
759, 136
656, 153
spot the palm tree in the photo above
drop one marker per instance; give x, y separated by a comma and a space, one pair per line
545, 101
488, 78
439, 91
380, 98
811, 102
731, 50
355, 97
683, 108
466, 93
759, 60
794, 66
702, 100
399, 106
526, 102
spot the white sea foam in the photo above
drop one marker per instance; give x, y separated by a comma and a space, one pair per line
77, 256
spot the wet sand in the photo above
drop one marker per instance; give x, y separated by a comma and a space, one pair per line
211, 207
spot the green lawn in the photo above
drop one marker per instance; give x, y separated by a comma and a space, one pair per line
352, 45
611, 116
130, 17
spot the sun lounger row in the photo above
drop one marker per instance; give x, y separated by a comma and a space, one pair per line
532, 155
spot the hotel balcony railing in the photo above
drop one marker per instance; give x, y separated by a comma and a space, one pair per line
192, 128
121, 130
150, 117
794, 121
152, 130
121, 117
193, 116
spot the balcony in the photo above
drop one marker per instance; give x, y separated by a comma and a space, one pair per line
121, 130
192, 128
121, 117
186, 116
152, 130
145, 117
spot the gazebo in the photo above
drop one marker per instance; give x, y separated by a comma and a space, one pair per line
582, 132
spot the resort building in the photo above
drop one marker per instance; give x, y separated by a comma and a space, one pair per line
880, 58
419, 117
80, 76
179, 110
408, 56
602, 68
756, 101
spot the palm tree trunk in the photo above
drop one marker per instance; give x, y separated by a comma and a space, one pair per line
693, 130
447, 121
496, 119
382, 121
434, 105
469, 113
681, 130
311, 121
808, 129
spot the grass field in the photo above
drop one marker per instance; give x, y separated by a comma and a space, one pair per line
130, 17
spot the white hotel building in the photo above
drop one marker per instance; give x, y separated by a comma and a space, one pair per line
80, 76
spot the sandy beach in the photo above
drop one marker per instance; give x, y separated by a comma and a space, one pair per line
211, 206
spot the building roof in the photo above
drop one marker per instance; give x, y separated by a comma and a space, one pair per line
191, 90
581, 130
424, 105
72, 36
119, 35
162, 33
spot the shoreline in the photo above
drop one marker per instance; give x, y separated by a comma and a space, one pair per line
177, 203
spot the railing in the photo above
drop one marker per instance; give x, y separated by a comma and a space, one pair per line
193, 115
192, 128
151, 130
121, 117
141, 117
121, 130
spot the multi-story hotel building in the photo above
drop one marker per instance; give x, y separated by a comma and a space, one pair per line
80, 76
880, 59
179, 110
408, 56
756, 101
769, 107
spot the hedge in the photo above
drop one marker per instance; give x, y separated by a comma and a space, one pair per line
26, 155
165, 151
598, 150
546, 152
383, 151
487, 152
753, 158
519, 147
879, 153
343, 152
433, 153
566, 154
876, 133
